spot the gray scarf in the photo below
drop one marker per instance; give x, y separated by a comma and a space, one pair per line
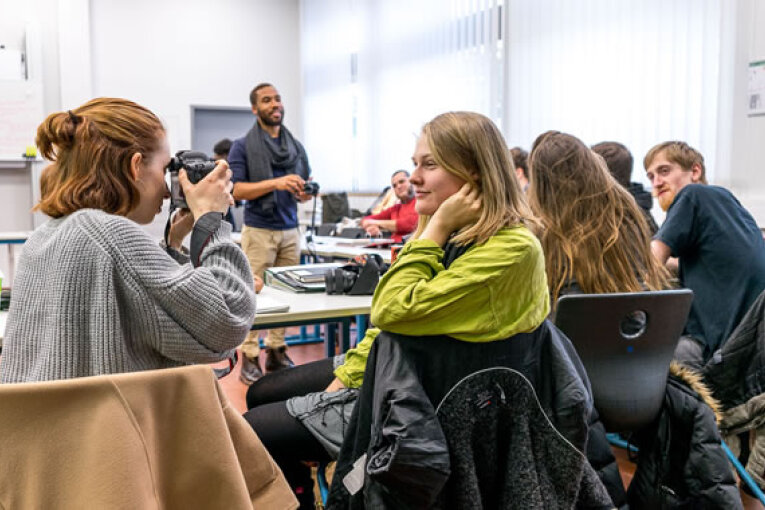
263, 157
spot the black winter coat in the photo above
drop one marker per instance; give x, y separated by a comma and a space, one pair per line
736, 372
736, 375
389, 397
681, 463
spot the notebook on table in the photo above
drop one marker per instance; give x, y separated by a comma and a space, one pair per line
267, 304
302, 278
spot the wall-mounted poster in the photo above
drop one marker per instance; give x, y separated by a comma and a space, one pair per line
756, 94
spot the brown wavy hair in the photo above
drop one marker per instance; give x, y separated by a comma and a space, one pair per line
467, 143
90, 148
594, 232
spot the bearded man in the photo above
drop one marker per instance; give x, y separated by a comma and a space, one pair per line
270, 168
719, 248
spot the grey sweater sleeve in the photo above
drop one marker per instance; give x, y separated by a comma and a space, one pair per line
190, 314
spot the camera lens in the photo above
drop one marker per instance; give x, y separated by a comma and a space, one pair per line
349, 278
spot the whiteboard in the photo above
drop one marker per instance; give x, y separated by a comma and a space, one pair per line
21, 111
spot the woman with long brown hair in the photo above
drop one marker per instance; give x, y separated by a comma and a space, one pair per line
594, 237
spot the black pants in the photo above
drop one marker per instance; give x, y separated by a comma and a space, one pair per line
285, 438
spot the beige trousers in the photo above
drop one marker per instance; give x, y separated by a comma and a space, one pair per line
268, 248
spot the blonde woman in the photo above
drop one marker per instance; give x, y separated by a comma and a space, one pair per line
473, 271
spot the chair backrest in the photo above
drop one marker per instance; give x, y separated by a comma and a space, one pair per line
334, 206
153, 439
626, 342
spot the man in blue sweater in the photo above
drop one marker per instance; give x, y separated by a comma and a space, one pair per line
719, 248
270, 168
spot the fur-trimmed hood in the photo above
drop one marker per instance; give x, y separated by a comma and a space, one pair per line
681, 463
695, 381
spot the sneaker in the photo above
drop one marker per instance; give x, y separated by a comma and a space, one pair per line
220, 373
277, 359
251, 371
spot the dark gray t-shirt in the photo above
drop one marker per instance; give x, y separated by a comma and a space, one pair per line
722, 259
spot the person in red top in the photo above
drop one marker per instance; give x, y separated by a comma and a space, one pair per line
401, 219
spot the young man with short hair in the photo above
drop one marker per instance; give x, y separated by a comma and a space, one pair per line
720, 250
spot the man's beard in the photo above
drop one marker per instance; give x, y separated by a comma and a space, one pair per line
266, 119
666, 200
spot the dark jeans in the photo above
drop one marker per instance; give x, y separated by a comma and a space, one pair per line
285, 438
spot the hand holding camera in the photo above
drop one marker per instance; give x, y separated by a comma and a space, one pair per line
211, 194
310, 190
199, 184
290, 182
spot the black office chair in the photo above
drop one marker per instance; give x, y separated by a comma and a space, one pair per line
626, 342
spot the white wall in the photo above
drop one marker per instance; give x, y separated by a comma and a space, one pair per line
168, 55
746, 158
37, 19
15, 15
171, 54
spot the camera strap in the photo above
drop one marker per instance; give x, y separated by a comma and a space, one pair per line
204, 228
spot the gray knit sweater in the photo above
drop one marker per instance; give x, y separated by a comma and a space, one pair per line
95, 294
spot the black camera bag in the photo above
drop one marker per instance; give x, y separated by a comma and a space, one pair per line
356, 278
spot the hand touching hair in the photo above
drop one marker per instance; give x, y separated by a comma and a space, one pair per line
470, 146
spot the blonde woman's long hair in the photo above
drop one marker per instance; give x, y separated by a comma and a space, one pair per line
470, 146
594, 232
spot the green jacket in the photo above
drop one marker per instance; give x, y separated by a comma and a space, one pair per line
491, 292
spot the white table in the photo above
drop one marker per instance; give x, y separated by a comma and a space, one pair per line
305, 308
316, 308
338, 247
335, 247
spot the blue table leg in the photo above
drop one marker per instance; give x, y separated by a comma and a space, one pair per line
362, 323
346, 338
329, 340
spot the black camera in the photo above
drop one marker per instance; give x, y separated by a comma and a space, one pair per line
197, 165
356, 278
311, 188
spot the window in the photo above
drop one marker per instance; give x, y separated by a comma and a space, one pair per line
635, 71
